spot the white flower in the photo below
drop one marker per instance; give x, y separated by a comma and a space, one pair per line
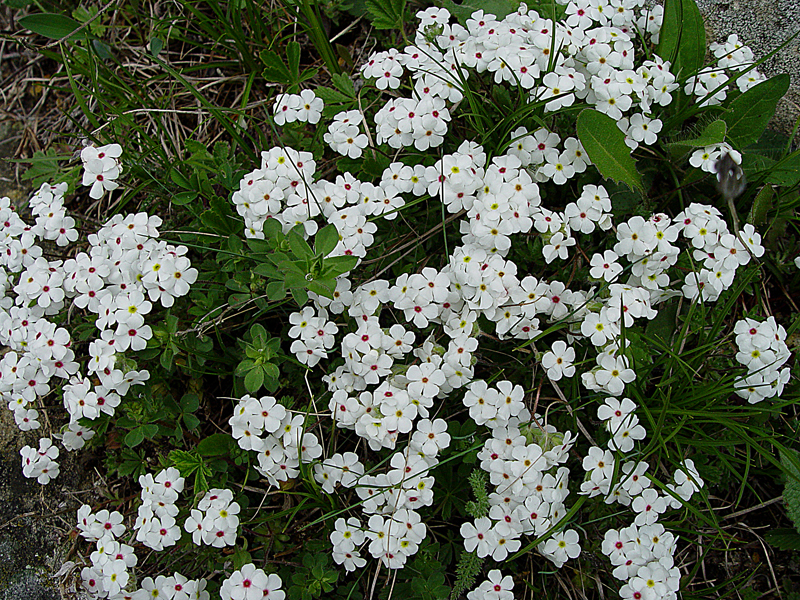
558, 361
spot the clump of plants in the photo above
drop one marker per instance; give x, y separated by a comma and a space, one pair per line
485, 302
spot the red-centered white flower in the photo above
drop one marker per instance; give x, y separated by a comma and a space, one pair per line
479, 537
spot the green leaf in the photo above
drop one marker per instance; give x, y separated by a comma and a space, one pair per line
326, 240
217, 444
670, 30
783, 539
386, 14
50, 25
786, 172
605, 145
134, 437
299, 245
156, 45
692, 46
331, 96
791, 490
293, 54
190, 402
253, 380
276, 290
271, 371
191, 421
498, 8
762, 203
714, 133
323, 287
275, 70
338, 265
749, 113
344, 84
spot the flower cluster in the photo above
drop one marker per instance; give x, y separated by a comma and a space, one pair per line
266, 427
215, 521
710, 85
101, 168
252, 583
155, 524
763, 350
399, 365
40, 464
496, 587
124, 267
706, 158
304, 107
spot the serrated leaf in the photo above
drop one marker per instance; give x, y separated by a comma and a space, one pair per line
293, 54
605, 145
749, 114
275, 70
783, 539
344, 84
386, 14
50, 25
762, 203
791, 490
331, 96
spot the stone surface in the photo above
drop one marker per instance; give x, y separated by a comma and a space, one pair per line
763, 25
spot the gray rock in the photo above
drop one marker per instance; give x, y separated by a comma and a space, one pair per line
763, 25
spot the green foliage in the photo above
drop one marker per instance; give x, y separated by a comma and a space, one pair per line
605, 145
315, 578
260, 368
749, 114
386, 14
791, 491
51, 25
683, 37
479, 507
287, 73
467, 571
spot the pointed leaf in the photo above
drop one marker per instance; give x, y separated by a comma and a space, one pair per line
749, 113
50, 25
605, 145
714, 133
299, 245
293, 54
326, 240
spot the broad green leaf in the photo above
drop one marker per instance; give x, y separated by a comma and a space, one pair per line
190, 402
786, 172
150, 431
50, 25
714, 133
217, 444
156, 45
326, 240
276, 290
338, 265
134, 437
267, 270
749, 114
299, 245
271, 371
605, 145
791, 490
386, 14
692, 47
323, 287
300, 296
191, 422
498, 8
183, 198
254, 380
670, 30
